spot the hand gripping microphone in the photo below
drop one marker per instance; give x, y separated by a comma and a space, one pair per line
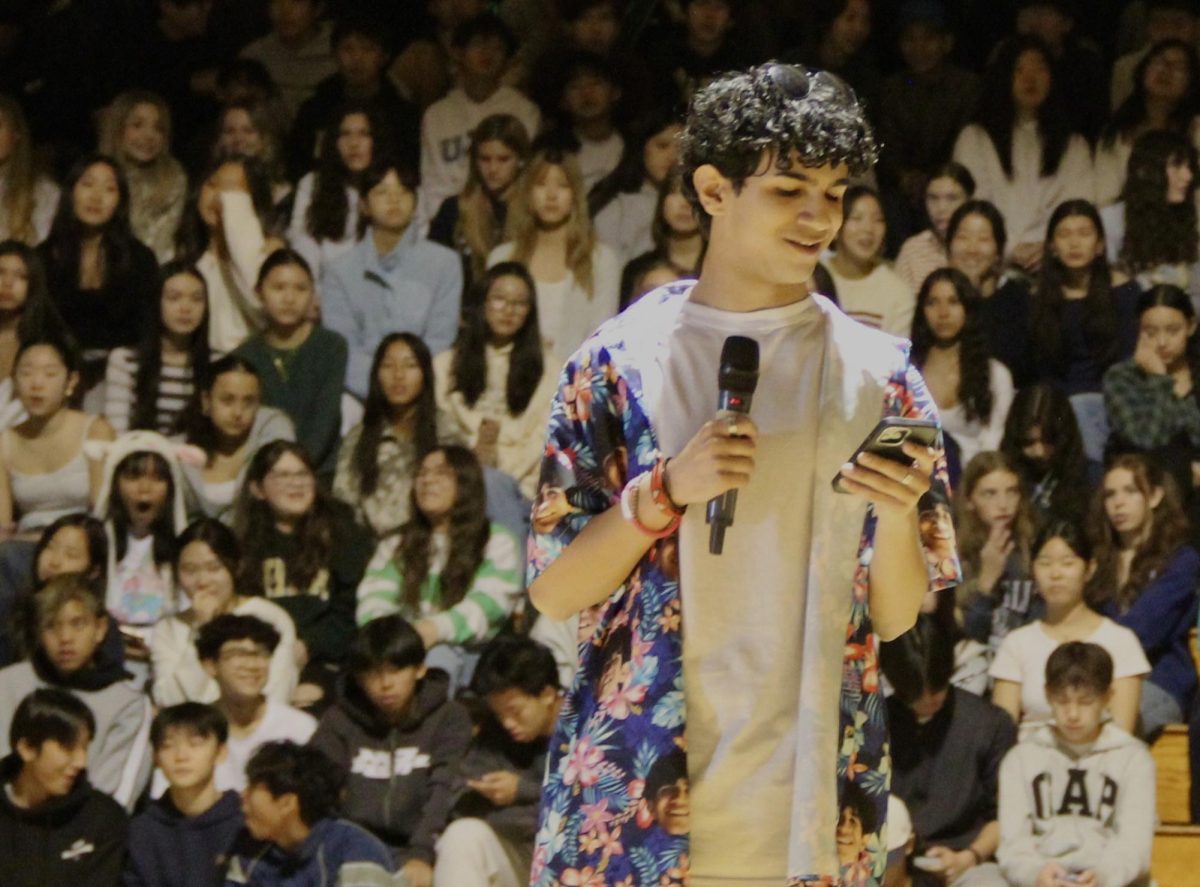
737, 379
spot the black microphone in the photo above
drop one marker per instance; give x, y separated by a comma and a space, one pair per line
737, 379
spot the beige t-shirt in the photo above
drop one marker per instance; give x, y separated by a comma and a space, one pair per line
743, 611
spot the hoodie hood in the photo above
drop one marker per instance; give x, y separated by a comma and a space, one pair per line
104, 671
1111, 738
226, 813
433, 691
173, 453
52, 811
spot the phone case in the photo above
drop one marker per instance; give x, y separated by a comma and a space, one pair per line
888, 437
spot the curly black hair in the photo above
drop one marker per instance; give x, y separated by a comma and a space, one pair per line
773, 108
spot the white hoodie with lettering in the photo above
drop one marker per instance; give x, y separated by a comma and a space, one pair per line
1084, 807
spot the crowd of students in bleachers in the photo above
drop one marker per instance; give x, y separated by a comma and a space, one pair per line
285, 291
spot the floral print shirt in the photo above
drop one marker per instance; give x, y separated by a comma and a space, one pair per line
606, 815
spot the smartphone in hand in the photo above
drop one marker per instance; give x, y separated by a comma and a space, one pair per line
887, 439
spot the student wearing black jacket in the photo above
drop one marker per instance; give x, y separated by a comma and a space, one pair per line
400, 737
55, 829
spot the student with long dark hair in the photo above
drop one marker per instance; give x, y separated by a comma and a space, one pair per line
304, 552
868, 289
622, 203
101, 277
1145, 579
1082, 319
950, 186
1020, 148
226, 231
450, 571
1153, 231
495, 385
379, 456
975, 239
324, 220
949, 346
1041, 437
1166, 96
26, 312
149, 387
227, 421
1152, 400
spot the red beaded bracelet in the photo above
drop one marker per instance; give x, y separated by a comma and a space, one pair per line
629, 504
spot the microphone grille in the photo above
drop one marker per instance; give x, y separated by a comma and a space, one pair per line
739, 365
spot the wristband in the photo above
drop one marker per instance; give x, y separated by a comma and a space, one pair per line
659, 493
975, 854
629, 505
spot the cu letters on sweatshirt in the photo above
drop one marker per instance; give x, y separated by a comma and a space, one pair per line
1076, 797
454, 148
375, 764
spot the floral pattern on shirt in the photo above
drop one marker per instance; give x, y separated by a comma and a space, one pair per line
625, 709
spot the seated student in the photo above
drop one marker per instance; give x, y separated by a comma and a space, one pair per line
380, 455
947, 745
1077, 795
291, 835
180, 839
482, 47
495, 385
136, 132
995, 524
1022, 149
1151, 397
396, 730
26, 312
362, 51
1150, 234
100, 275
324, 221
472, 222
305, 552
55, 828
149, 386
1166, 96
1161, 20
1082, 319
1146, 580
1062, 566
622, 204
587, 99
949, 345
227, 421
141, 501
1041, 438
251, 126
675, 231
868, 289
235, 651
297, 53
685, 56
578, 278
226, 231
449, 570
300, 363
30, 198
66, 627
923, 106
207, 566
489, 840
75, 543
392, 280
948, 188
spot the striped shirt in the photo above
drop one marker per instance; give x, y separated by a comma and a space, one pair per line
175, 388
476, 618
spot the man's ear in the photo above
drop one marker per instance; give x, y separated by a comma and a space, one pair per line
713, 189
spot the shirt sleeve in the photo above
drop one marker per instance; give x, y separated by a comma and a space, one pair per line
492, 597
379, 591
1129, 660
1007, 664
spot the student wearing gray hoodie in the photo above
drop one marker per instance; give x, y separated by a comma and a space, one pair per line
68, 625
1077, 795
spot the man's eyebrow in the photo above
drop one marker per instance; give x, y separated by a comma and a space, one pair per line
801, 177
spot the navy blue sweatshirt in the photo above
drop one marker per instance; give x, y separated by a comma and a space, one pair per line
168, 849
1161, 617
